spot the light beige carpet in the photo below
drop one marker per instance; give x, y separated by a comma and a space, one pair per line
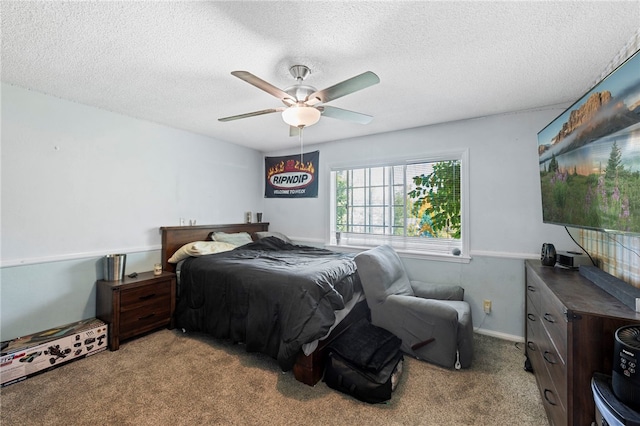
172, 378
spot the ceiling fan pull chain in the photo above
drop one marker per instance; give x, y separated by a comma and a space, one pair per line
301, 149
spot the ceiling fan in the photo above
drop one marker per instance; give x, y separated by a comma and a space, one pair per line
304, 103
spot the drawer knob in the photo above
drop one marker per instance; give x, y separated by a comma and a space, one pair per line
531, 345
548, 317
531, 317
531, 288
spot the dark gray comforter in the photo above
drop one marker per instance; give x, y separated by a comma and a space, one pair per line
271, 295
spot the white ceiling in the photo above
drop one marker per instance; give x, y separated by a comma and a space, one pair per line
170, 62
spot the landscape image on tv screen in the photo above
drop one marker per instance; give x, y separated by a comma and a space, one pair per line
590, 157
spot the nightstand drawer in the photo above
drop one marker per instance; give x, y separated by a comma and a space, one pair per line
157, 310
136, 305
137, 297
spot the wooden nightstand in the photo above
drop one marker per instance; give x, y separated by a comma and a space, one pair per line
134, 306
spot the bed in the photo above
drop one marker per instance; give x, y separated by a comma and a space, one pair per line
257, 295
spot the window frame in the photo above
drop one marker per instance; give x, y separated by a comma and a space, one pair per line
408, 246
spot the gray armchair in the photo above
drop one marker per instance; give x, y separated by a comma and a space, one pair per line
432, 320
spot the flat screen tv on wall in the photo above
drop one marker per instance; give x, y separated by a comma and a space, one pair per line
590, 157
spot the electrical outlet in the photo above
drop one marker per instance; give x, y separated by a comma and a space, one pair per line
487, 306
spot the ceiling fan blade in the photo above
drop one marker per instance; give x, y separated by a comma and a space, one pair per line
344, 114
263, 85
252, 114
341, 89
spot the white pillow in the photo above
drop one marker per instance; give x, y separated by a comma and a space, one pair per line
200, 248
264, 234
237, 239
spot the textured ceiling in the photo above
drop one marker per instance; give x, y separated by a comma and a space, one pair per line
170, 62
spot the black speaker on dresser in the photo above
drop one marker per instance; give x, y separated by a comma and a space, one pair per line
548, 254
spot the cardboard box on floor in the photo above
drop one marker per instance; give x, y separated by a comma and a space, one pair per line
34, 354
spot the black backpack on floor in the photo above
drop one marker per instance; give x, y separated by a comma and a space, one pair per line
365, 362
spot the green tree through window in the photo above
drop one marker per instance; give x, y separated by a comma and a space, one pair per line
437, 197
414, 205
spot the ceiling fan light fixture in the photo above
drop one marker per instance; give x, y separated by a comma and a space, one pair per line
301, 116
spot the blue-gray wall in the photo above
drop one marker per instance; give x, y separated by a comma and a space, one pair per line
79, 183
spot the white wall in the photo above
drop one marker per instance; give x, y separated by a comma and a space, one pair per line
505, 214
80, 182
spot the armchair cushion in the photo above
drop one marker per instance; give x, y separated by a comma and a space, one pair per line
382, 270
415, 320
437, 291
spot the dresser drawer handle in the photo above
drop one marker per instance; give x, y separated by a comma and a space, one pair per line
531, 345
531, 317
549, 318
550, 361
151, 315
547, 398
531, 288
147, 297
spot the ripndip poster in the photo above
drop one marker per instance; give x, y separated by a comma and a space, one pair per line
292, 176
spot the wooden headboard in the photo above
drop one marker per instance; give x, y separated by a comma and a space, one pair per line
174, 237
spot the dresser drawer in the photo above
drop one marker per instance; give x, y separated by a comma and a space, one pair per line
554, 320
533, 290
537, 363
555, 366
544, 358
535, 331
556, 411
551, 399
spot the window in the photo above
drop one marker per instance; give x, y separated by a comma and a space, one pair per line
417, 206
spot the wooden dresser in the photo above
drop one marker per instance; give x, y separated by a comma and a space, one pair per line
570, 326
137, 305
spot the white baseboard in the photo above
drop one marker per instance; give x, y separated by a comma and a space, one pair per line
498, 335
